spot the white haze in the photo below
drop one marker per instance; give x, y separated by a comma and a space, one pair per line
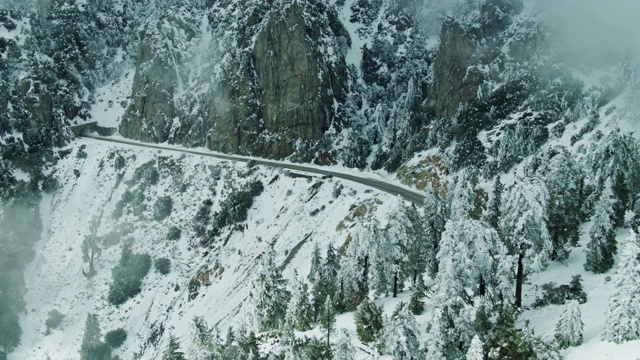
593, 32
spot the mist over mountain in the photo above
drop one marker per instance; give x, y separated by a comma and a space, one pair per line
509, 128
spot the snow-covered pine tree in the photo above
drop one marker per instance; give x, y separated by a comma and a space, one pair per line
492, 212
172, 351
416, 301
201, 340
369, 321
563, 178
400, 338
327, 319
524, 228
92, 347
344, 349
462, 199
270, 294
325, 280
434, 344
288, 338
301, 307
416, 259
570, 326
434, 221
353, 278
383, 254
623, 311
316, 262
602, 248
476, 351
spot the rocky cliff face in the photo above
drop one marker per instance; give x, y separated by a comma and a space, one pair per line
454, 85
274, 93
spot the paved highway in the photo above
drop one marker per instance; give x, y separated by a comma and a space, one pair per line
408, 194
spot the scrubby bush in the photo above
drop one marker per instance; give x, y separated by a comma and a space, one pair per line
119, 162
558, 295
81, 154
146, 174
174, 233
115, 338
127, 275
53, 321
235, 207
162, 208
163, 265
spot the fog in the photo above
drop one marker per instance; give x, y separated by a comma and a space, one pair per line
592, 32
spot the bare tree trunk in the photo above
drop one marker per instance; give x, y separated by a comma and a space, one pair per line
395, 284
519, 279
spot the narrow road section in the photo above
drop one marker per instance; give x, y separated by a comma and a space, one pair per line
405, 192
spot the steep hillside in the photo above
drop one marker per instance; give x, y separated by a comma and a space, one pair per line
515, 119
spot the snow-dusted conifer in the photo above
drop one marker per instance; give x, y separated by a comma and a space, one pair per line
602, 247
462, 199
300, 307
92, 347
570, 326
434, 344
172, 351
270, 295
327, 319
415, 263
369, 321
434, 221
492, 213
416, 301
623, 310
476, 351
344, 349
316, 262
400, 337
201, 340
524, 227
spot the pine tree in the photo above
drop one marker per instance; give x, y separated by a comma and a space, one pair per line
415, 263
434, 344
524, 227
569, 328
288, 338
416, 301
172, 351
492, 213
623, 311
400, 338
201, 340
353, 278
434, 221
92, 347
602, 247
476, 351
325, 280
316, 261
344, 349
270, 295
327, 319
369, 321
563, 178
301, 308
462, 199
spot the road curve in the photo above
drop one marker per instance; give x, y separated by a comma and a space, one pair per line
410, 195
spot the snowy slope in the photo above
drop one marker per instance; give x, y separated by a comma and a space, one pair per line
280, 217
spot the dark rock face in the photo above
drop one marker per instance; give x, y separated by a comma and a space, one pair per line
277, 91
453, 85
290, 87
150, 114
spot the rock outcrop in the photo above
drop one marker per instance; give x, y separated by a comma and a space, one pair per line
453, 85
277, 91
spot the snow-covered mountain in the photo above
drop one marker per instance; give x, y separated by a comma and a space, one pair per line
520, 131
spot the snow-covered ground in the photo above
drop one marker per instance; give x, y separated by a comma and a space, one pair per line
280, 217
